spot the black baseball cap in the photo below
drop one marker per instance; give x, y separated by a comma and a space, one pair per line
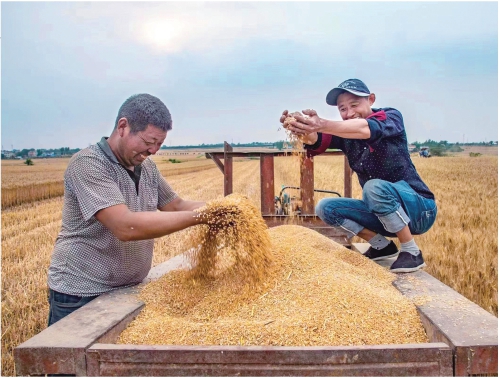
354, 86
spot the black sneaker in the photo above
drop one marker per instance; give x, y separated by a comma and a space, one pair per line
389, 251
407, 262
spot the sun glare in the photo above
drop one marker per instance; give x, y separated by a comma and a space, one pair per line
163, 34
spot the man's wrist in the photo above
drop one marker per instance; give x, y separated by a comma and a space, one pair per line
315, 144
322, 125
312, 142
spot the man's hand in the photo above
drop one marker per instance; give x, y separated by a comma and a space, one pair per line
307, 126
306, 122
283, 116
304, 127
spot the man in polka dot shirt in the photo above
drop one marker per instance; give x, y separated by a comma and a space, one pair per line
396, 202
112, 195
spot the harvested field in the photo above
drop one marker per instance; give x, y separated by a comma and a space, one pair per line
317, 293
24, 184
15, 173
461, 249
483, 150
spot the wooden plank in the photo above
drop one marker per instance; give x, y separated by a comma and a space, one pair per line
307, 184
187, 370
267, 175
379, 360
60, 349
303, 220
347, 178
228, 169
449, 317
267, 184
216, 160
259, 152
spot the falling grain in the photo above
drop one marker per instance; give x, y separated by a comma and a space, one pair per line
234, 241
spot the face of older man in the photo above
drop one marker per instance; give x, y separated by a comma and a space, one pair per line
136, 147
351, 106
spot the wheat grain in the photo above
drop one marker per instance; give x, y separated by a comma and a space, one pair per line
315, 292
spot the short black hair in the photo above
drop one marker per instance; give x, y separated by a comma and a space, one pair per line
142, 110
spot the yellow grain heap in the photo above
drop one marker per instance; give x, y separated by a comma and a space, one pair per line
235, 241
315, 293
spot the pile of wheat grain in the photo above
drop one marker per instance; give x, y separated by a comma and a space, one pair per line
315, 293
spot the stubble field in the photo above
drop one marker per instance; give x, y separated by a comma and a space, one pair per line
461, 249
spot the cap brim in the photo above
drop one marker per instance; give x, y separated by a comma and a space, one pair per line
331, 98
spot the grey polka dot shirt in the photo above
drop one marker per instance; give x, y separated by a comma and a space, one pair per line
88, 259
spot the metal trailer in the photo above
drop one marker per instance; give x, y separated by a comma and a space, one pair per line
463, 341
463, 336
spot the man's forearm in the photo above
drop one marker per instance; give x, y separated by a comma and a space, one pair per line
147, 225
192, 205
179, 204
353, 129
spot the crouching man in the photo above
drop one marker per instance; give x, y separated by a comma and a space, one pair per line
396, 201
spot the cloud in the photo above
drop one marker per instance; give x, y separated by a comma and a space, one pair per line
230, 68
177, 27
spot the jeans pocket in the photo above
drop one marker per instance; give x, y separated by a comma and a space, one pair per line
425, 222
67, 301
62, 305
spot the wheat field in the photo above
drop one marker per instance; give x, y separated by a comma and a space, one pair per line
461, 249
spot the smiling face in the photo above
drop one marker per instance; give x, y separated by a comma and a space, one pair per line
134, 148
351, 106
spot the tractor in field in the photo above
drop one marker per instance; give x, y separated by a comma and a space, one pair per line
424, 152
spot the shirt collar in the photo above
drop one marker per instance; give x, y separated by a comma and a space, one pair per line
104, 145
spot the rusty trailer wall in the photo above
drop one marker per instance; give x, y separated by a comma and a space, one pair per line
463, 342
389, 360
62, 347
449, 317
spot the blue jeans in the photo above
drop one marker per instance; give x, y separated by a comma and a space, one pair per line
386, 208
61, 305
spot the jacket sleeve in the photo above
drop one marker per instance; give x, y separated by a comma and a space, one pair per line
390, 125
324, 142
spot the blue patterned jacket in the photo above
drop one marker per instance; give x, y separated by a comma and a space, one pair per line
382, 156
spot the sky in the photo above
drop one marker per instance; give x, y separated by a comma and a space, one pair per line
227, 70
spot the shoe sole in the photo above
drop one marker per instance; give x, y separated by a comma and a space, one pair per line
385, 257
408, 269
